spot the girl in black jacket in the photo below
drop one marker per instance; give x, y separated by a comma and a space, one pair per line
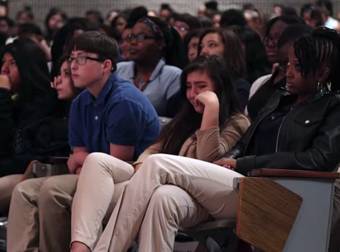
53, 129
25, 98
299, 128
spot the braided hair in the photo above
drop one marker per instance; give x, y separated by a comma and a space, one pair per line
321, 47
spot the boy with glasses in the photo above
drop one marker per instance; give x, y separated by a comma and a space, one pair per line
109, 116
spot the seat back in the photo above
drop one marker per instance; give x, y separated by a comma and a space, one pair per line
310, 230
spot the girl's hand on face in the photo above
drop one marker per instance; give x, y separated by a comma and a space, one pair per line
207, 98
5, 82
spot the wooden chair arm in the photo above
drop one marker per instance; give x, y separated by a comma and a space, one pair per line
268, 172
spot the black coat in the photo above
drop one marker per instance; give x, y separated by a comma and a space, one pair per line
7, 123
28, 132
308, 138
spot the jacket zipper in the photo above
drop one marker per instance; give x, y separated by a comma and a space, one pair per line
279, 131
278, 134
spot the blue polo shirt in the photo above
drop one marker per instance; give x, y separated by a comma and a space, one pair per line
120, 114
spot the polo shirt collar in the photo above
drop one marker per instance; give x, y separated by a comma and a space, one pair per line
104, 93
158, 69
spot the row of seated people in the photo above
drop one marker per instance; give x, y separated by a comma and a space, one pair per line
112, 117
126, 143
147, 70
34, 122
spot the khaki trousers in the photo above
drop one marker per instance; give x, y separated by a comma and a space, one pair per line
40, 211
101, 182
7, 185
39, 215
166, 193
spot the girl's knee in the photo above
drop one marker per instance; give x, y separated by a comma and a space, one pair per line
164, 202
155, 161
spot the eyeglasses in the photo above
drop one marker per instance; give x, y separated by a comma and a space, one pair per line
82, 59
138, 37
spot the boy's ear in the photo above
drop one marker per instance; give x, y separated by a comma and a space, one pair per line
108, 65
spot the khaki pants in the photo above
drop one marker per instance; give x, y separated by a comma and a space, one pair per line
166, 193
100, 184
39, 216
40, 211
7, 185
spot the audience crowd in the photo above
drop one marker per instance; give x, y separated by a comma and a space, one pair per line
154, 113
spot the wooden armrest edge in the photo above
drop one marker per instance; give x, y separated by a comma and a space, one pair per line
269, 172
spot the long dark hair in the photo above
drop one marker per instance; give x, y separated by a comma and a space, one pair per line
234, 55
289, 20
196, 33
35, 97
187, 121
63, 107
52, 12
255, 53
33, 70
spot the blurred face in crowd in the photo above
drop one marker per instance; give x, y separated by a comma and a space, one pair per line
181, 27
120, 24
197, 82
11, 70
270, 41
144, 45
165, 15
216, 20
124, 44
193, 48
110, 16
277, 10
4, 27
253, 19
212, 44
306, 15
63, 83
23, 18
55, 22
3, 11
282, 55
